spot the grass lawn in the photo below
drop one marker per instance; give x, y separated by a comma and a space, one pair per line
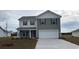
18, 44
72, 39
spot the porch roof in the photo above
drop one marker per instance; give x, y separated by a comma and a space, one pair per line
26, 28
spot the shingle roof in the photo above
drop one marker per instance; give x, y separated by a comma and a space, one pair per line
39, 14
23, 17
22, 28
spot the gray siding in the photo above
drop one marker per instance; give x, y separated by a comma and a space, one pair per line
48, 24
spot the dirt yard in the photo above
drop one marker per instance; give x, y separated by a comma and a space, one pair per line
72, 39
18, 44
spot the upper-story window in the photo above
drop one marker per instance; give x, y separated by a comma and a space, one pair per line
53, 21
24, 22
42, 21
32, 22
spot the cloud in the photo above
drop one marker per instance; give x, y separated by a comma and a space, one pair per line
3, 15
70, 26
68, 15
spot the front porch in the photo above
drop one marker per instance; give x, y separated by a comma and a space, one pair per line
27, 34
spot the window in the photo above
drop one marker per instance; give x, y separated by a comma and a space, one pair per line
53, 21
32, 22
42, 21
24, 22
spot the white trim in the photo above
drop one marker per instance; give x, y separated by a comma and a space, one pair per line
30, 33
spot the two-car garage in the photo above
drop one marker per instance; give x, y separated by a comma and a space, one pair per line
45, 34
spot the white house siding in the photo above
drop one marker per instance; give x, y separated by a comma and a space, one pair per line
28, 23
76, 34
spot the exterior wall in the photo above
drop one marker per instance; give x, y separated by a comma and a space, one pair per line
28, 22
76, 34
48, 25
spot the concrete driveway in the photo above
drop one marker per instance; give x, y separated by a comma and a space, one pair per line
55, 44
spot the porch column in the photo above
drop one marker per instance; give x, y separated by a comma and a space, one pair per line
36, 33
30, 33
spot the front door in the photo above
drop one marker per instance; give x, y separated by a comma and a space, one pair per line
33, 33
25, 33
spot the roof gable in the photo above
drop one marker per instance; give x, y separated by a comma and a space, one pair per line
48, 14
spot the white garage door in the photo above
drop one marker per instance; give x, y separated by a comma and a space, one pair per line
48, 34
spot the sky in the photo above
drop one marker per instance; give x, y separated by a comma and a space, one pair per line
69, 19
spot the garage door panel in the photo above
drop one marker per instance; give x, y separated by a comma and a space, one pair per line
48, 34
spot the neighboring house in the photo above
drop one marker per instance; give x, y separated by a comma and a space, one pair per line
68, 34
14, 34
75, 33
44, 25
4, 33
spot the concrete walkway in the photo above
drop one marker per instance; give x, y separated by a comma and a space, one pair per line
55, 44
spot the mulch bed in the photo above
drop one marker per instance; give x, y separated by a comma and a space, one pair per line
18, 44
72, 39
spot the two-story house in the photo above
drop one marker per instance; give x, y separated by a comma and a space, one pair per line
45, 25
